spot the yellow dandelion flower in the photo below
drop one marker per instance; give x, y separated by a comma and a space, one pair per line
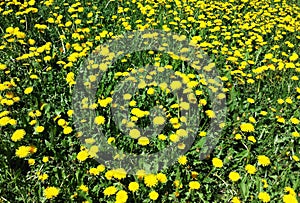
174, 137
143, 141
133, 186
295, 121
67, 130
82, 155
252, 139
83, 188
295, 158
247, 127
99, 120
250, 100
235, 200
121, 196
161, 177
289, 199
153, 195
28, 90
217, 162
194, 185
182, 160
134, 133
210, 113
111, 190
51, 192
263, 160
175, 85
150, 180
264, 197
119, 173
45, 159
295, 134
159, 120
250, 169
23, 151
39, 129
31, 162
234, 176
18, 135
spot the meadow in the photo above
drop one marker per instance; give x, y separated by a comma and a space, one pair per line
208, 93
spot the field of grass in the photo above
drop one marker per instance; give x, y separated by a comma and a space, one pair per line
205, 92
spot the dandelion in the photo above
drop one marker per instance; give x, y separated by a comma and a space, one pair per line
121, 196
70, 113
94, 171
250, 169
295, 158
290, 190
210, 114
18, 135
133, 186
162, 137
51, 192
39, 129
31, 162
182, 160
43, 177
127, 96
194, 185
289, 100
134, 133
3, 66
265, 183
264, 113
289, 199
264, 197
28, 90
141, 174
99, 120
234, 176
150, 91
67, 130
295, 121
252, 120
280, 101
159, 120
294, 57
217, 162
23, 151
174, 138
82, 155
119, 173
84, 188
150, 180
250, 100
175, 85
61, 122
161, 177
247, 127
110, 140
153, 195
295, 134
263, 160
252, 139
280, 119
181, 133
235, 200
143, 141
111, 190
